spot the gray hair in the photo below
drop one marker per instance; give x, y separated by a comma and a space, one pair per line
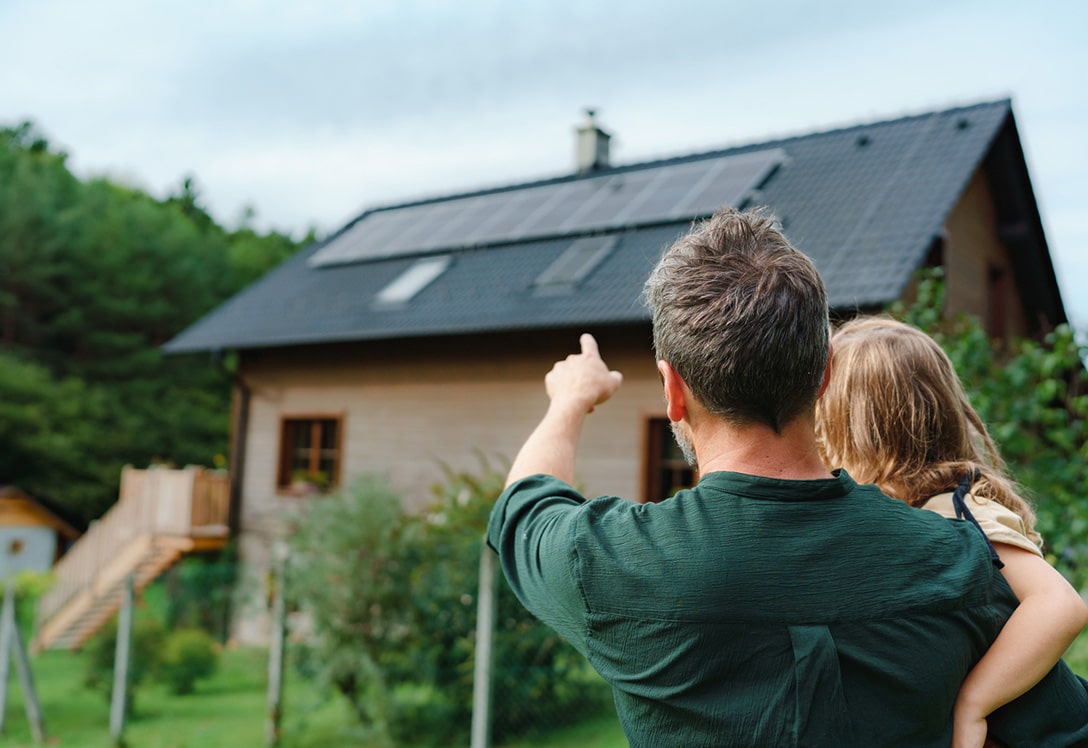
742, 317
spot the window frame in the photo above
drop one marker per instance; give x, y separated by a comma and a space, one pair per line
285, 484
656, 434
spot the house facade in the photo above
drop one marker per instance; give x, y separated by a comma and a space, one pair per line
418, 336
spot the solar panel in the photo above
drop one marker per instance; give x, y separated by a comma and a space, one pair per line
510, 210
567, 199
673, 184
367, 235
730, 184
619, 192
468, 215
667, 192
426, 219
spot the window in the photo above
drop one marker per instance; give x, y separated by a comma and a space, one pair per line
309, 454
666, 469
418, 276
571, 268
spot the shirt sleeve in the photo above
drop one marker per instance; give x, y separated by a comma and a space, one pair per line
1001, 524
533, 529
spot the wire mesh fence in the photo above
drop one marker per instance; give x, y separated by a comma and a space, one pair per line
186, 679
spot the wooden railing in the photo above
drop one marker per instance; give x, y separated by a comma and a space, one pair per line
158, 501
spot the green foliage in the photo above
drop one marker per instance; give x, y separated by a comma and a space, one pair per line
1033, 397
189, 655
145, 656
199, 593
228, 710
28, 587
345, 567
393, 603
94, 278
50, 434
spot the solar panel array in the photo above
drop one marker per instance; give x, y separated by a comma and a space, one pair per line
671, 192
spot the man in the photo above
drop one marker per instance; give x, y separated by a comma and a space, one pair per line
775, 603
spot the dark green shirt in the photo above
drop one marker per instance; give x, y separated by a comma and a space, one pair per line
753, 611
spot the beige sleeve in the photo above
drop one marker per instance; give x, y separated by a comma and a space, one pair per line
1001, 525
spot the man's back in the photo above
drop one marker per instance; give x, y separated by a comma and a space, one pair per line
753, 611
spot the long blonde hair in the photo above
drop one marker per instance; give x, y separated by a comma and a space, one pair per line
895, 414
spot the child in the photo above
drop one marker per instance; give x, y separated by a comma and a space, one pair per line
894, 414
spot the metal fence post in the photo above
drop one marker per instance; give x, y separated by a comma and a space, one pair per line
276, 650
486, 608
11, 645
7, 631
30, 695
119, 697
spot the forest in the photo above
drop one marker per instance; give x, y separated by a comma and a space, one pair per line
94, 278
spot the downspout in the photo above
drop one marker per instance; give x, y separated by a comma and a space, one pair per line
239, 430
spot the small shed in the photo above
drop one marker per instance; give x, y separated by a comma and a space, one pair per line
32, 537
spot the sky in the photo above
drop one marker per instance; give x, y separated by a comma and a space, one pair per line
298, 115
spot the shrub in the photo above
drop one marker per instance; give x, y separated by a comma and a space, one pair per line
1033, 397
29, 587
143, 661
392, 600
199, 592
345, 572
189, 655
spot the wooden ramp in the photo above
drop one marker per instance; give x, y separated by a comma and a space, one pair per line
161, 515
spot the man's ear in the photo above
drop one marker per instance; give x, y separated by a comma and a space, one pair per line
676, 392
827, 371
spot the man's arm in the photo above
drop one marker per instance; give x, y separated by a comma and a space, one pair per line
575, 385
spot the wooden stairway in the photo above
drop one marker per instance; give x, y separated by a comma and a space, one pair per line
161, 515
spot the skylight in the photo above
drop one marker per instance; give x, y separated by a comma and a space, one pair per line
577, 261
418, 276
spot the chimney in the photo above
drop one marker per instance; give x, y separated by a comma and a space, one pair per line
592, 145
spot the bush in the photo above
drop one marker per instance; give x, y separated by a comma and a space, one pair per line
29, 587
345, 572
1033, 397
199, 593
143, 661
392, 600
189, 655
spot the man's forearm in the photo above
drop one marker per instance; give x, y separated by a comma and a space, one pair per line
552, 446
575, 387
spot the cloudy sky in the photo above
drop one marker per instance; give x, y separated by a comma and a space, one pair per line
306, 112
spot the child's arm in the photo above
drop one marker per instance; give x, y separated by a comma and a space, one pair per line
1035, 637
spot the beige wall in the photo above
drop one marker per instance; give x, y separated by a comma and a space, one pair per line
408, 407
407, 410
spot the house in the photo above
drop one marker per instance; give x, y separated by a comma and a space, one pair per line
32, 537
420, 332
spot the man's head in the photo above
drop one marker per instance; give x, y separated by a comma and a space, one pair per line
741, 316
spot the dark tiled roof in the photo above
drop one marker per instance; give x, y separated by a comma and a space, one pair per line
864, 202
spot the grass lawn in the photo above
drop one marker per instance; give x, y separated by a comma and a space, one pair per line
602, 732
228, 711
